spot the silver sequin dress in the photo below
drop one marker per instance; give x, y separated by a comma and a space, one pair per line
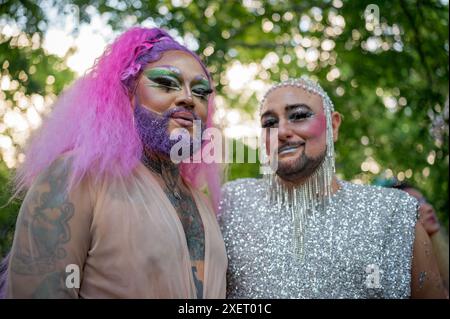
360, 247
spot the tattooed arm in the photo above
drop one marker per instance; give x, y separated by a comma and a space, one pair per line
425, 280
52, 232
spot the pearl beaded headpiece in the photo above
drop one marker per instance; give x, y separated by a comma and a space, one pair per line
304, 83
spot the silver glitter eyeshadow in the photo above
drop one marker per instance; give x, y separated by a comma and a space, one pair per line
359, 247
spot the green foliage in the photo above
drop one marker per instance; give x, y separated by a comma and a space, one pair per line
8, 212
245, 169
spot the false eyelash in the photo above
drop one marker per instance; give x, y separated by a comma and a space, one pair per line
269, 123
300, 115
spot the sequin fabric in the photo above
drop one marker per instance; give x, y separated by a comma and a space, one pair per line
360, 247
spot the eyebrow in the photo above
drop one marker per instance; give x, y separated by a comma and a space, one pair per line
177, 72
170, 68
287, 108
266, 113
296, 105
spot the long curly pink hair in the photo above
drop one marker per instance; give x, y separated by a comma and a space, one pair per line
94, 120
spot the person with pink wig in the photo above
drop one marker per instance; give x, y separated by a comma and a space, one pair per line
108, 213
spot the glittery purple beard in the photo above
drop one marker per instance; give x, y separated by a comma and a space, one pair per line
153, 130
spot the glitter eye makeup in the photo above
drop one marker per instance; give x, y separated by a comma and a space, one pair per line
294, 113
299, 113
164, 77
201, 87
268, 121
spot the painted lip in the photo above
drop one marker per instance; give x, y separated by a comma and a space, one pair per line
432, 219
290, 148
183, 118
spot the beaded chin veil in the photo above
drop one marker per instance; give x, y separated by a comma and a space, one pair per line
315, 194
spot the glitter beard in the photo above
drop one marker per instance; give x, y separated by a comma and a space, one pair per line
153, 129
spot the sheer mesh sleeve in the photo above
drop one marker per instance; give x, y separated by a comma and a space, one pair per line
52, 237
227, 211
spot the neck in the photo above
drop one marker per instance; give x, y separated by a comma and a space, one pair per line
161, 165
299, 182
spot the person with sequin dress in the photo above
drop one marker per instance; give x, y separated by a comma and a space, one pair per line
301, 233
109, 213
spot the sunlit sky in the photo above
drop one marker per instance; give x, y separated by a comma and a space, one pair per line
89, 42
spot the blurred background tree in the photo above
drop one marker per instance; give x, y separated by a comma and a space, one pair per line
387, 73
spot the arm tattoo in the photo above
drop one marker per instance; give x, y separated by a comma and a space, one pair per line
53, 286
198, 283
45, 223
187, 211
422, 276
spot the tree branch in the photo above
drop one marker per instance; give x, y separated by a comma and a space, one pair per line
418, 41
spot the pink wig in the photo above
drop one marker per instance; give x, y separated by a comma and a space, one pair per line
93, 119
